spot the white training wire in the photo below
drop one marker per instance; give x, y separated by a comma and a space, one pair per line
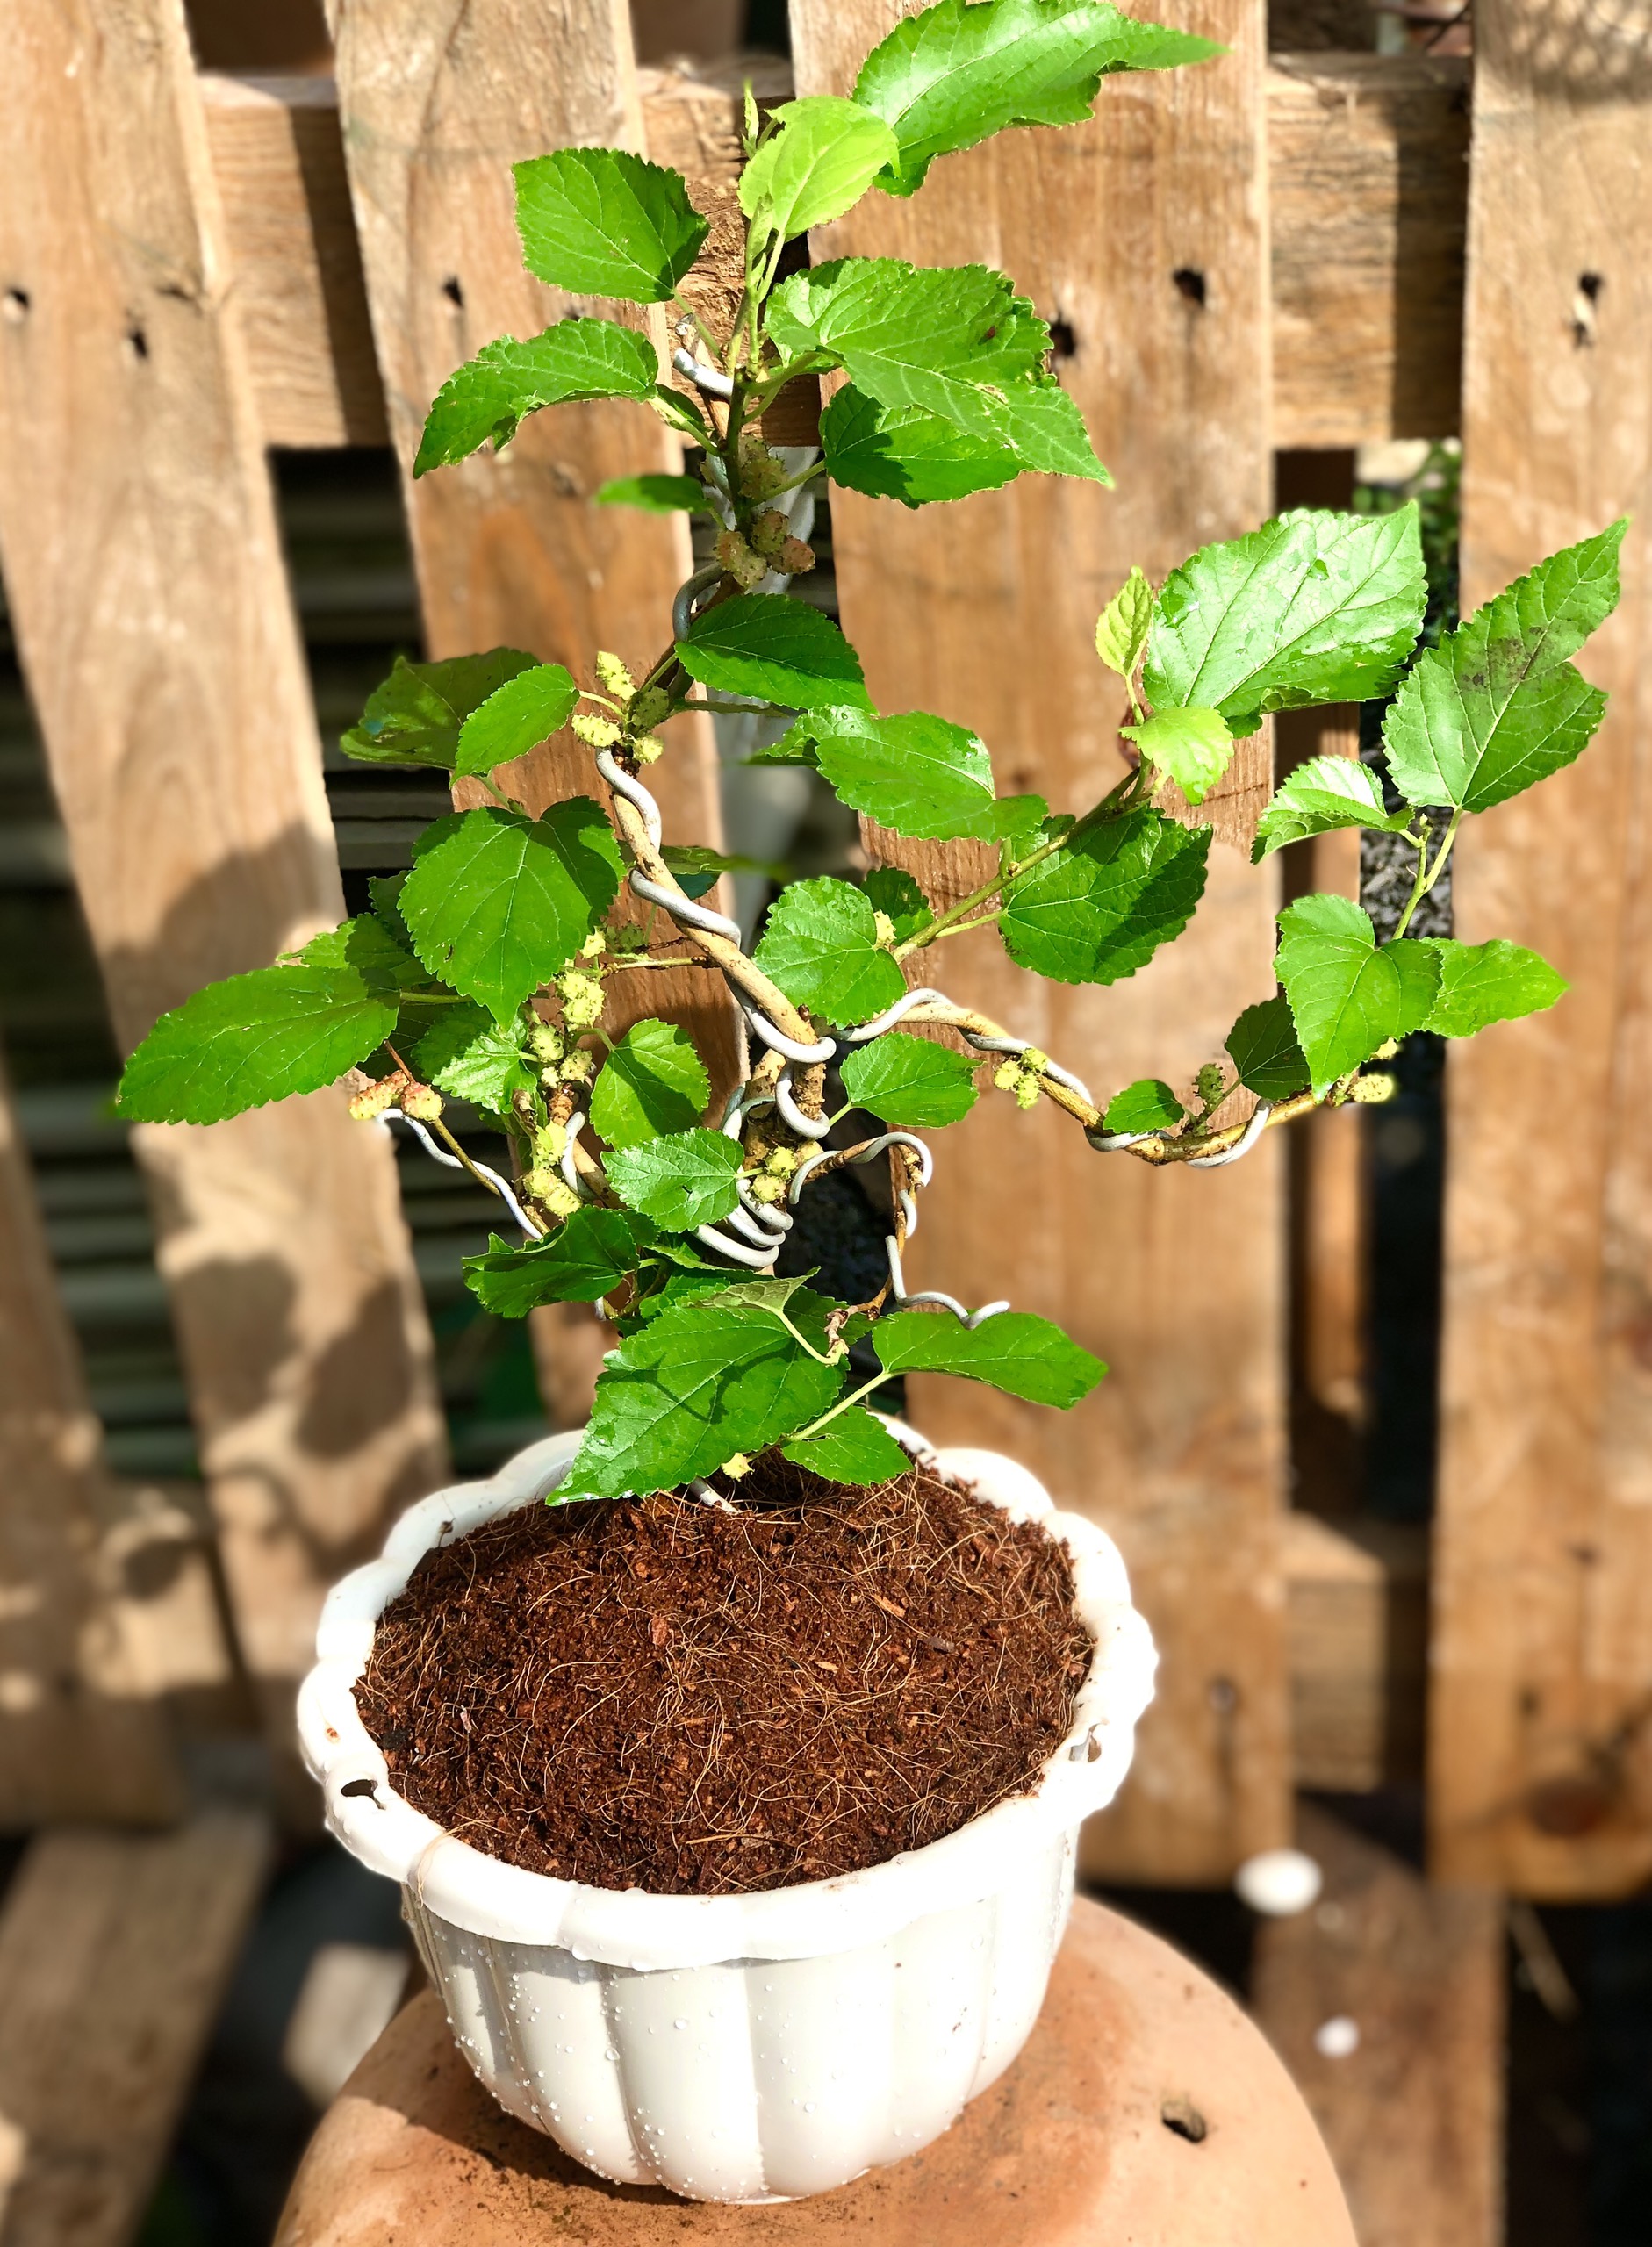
451, 1162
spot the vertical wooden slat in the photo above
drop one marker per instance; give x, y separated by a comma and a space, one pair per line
1144, 233
144, 572
436, 103
115, 1950
1387, 2001
78, 1737
1541, 1745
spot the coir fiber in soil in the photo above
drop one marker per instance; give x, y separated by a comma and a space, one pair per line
665, 1695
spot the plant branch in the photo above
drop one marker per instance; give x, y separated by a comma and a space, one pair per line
1427, 875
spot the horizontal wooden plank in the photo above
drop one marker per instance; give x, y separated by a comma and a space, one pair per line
114, 1953
1356, 1646
1368, 184
1368, 187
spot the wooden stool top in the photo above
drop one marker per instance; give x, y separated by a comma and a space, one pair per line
1146, 2111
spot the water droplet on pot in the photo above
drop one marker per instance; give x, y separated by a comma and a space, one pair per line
679, 2022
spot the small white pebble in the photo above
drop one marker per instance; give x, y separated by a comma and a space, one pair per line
1338, 2038
1279, 1882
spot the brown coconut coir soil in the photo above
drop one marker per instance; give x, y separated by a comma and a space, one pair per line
663, 1695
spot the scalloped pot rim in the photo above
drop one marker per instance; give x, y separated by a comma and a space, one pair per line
634, 1927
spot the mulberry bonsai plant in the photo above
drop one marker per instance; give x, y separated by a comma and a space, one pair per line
485, 974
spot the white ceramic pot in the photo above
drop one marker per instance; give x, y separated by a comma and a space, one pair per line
738, 2047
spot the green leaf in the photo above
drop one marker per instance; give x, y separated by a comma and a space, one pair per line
1148, 1105
250, 1039
951, 75
682, 1181
1348, 997
905, 453
953, 341
1042, 426
656, 495
1193, 746
467, 1053
824, 156
1123, 626
516, 717
652, 1083
1496, 706
1324, 793
590, 1252
820, 944
909, 1082
773, 648
856, 1447
945, 337
1100, 906
912, 773
489, 397
1313, 608
688, 1391
1028, 1356
1486, 983
498, 902
417, 716
896, 895
1265, 1049
601, 222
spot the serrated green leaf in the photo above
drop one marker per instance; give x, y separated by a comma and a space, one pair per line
384, 892
820, 944
1028, 1356
652, 1083
1496, 706
1193, 746
951, 75
417, 716
656, 495
944, 338
601, 222
498, 902
1486, 983
681, 1181
1348, 997
1313, 608
1264, 1051
911, 772
250, 1039
953, 340
689, 1389
1148, 1105
1042, 426
822, 159
467, 1053
905, 453
1100, 907
909, 1082
590, 1252
489, 396
773, 648
896, 895
854, 1447
1123, 626
1322, 793
516, 718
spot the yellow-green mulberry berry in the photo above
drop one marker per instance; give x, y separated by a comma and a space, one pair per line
552, 1192
581, 999
422, 1100
613, 676
596, 733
